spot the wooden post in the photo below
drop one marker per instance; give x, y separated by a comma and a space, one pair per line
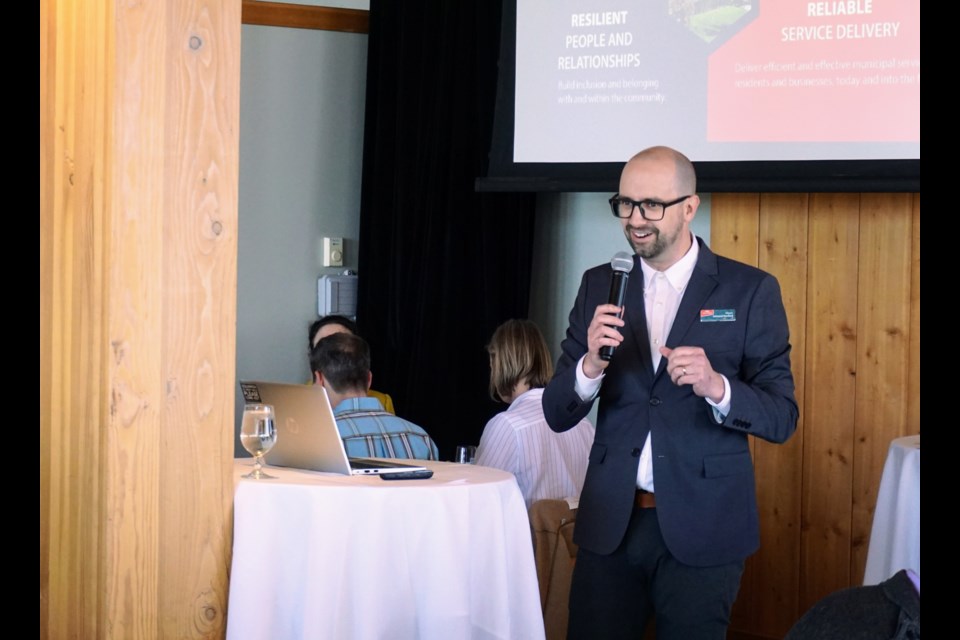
139, 125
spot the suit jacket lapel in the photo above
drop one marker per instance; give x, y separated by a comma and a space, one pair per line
702, 283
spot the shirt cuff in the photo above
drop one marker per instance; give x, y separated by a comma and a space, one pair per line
587, 388
722, 408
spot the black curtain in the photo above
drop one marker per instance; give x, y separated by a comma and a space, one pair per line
440, 265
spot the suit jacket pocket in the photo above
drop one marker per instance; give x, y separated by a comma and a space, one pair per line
727, 464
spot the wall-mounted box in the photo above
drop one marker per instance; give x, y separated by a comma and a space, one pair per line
337, 295
333, 252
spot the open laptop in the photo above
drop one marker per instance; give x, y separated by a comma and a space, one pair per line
307, 434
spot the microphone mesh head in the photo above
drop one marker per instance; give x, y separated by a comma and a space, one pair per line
622, 262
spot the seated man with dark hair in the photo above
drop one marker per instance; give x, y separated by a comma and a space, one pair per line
341, 365
331, 324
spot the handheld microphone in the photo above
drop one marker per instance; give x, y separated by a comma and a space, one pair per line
621, 264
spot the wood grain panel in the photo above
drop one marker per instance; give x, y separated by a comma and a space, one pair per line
85, 193
133, 510
734, 226
199, 316
829, 388
138, 261
76, 148
734, 233
779, 467
299, 16
913, 404
883, 352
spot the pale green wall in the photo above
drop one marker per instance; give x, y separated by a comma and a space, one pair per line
301, 141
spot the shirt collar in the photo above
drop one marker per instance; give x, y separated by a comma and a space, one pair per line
532, 394
358, 404
679, 273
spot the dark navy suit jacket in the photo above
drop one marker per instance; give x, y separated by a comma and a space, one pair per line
703, 473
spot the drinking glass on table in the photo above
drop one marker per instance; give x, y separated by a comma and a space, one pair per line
465, 454
258, 434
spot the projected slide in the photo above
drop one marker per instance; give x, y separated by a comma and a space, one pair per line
718, 79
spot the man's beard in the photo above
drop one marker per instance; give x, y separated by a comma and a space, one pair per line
648, 250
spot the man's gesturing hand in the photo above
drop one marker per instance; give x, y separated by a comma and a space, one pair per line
689, 365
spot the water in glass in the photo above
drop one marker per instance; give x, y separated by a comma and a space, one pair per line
258, 433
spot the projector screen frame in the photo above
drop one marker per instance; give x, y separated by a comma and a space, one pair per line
766, 176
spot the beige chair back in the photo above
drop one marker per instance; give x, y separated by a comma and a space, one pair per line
551, 522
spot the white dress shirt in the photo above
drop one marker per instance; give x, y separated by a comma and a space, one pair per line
662, 293
546, 464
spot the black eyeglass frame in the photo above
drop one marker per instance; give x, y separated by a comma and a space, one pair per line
617, 199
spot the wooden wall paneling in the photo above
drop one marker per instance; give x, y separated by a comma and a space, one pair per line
779, 467
85, 153
734, 233
73, 153
734, 226
829, 388
913, 405
883, 352
133, 509
199, 266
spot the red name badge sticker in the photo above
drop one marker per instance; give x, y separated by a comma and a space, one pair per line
718, 315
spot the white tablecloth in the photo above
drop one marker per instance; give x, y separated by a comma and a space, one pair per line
326, 556
895, 536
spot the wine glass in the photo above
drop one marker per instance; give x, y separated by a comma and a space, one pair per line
258, 433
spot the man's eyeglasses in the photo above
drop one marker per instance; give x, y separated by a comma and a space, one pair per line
652, 210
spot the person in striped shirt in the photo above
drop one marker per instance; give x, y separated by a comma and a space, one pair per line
341, 365
546, 464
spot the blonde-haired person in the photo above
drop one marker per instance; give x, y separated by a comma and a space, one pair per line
546, 464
